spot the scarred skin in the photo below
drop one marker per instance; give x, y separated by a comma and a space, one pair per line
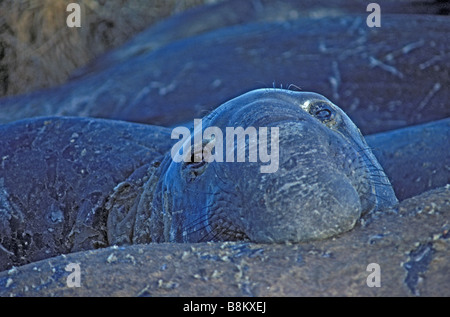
71, 184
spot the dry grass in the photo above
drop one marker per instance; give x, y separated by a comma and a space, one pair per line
38, 50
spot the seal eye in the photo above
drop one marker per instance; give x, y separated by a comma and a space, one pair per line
322, 112
194, 162
192, 169
198, 161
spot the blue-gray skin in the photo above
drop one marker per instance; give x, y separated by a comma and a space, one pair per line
327, 178
72, 184
55, 175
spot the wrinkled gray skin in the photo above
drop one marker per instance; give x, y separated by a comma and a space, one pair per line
327, 179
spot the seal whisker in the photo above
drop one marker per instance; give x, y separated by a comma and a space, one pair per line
381, 198
375, 175
213, 207
218, 233
191, 229
365, 152
208, 237
205, 237
295, 86
375, 197
202, 218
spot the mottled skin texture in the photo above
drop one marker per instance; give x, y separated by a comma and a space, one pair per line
55, 175
62, 185
327, 178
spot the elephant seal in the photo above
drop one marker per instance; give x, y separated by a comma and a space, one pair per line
326, 179
71, 184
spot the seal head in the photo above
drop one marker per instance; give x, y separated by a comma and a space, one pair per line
326, 176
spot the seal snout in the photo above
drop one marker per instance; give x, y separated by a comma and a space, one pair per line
299, 209
322, 176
